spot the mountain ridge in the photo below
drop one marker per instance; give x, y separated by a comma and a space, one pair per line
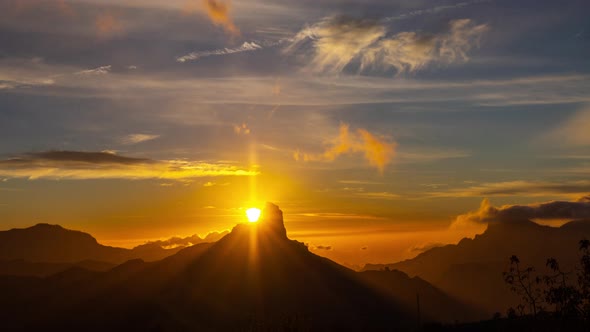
471, 270
253, 278
47, 243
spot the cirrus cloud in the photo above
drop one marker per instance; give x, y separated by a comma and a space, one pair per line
510, 188
335, 43
138, 138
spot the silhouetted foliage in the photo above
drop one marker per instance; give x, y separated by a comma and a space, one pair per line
564, 297
523, 282
558, 294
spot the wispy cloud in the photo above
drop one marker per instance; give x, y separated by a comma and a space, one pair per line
511, 188
360, 182
15, 74
245, 47
138, 138
335, 43
433, 10
75, 165
102, 70
384, 195
421, 155
574, 131
377, 151
319, 247
25, 83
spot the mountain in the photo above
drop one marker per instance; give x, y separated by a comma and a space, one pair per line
44, 243
254, 278
20, 267
472, 269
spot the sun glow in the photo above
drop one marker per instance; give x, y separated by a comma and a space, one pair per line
253, 214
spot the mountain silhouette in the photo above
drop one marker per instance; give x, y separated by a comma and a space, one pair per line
254, 278
53, 243
44, 249
472, 269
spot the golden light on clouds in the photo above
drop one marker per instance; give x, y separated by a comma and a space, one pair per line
377, 151
218, 12
75, 165
338, 42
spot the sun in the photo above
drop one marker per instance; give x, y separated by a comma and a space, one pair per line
253, 214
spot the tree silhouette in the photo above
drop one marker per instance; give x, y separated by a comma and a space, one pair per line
523, 282
564, 297
569, 298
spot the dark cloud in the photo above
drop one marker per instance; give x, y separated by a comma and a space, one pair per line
77, 156
579, 209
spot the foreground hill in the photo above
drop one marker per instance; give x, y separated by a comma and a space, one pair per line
20, 267
254, 278
472, 269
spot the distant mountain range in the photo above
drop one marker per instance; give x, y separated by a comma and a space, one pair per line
252, 279
472, 269
45, 249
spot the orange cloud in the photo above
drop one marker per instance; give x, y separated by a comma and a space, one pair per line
377, 151
107, 25
218, 12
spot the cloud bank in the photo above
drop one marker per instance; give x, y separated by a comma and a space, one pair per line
376, 151
336, 43
579, 209
75, 165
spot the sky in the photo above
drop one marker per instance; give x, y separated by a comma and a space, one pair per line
375, 125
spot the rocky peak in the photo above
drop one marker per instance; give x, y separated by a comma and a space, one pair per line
272, 218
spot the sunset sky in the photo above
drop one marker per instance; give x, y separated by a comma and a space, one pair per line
372, 124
